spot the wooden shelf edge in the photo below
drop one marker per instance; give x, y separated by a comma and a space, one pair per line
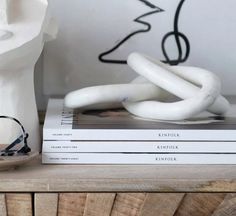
35, 177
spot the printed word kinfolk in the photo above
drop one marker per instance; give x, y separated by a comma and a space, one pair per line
166, 159
167, 147
168, 135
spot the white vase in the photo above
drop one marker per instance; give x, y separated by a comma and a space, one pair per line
22, 39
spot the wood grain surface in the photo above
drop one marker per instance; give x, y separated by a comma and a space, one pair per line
19, 204
71, 204
35, 177
145, 204
199, 204
3, 207
46, 204
163, 204
118, 204
227, 207
99, 204
128, 204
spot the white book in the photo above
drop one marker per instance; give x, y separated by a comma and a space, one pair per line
111, 125
134, 146
119, 158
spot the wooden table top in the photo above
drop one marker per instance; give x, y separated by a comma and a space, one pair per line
35, 177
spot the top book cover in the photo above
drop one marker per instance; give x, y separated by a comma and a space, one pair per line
117, 124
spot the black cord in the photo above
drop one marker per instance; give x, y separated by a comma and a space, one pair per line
177, 35
138, 20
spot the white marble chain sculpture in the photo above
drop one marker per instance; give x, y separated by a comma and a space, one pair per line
199, 90
25, 26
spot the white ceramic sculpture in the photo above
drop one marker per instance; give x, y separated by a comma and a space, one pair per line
24, 27
199, 89
4, 12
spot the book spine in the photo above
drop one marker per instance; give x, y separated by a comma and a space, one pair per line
105, 158
150, 146
139, 135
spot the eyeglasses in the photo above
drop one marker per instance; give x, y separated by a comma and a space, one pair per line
11, 149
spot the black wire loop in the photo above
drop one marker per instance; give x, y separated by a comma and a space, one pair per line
178, 36
102, 56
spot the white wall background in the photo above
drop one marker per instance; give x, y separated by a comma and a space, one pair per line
88, 28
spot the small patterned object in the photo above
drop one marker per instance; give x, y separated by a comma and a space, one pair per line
9, 151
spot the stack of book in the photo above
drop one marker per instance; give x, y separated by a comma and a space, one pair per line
116, 137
